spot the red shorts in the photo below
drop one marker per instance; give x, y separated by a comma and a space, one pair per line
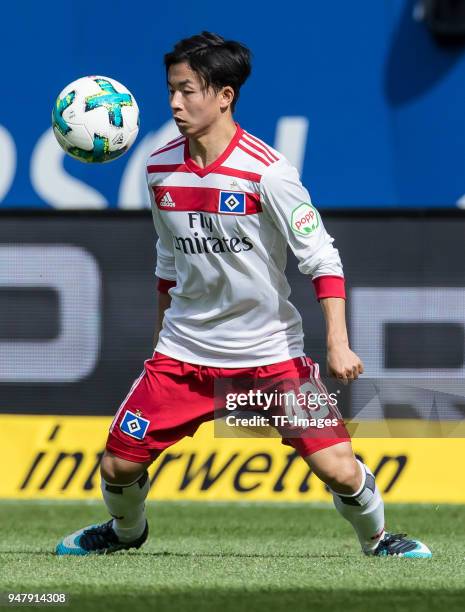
172, 398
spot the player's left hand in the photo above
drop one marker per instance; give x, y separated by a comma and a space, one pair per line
343, 363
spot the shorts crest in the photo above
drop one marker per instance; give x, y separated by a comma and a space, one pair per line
134, 425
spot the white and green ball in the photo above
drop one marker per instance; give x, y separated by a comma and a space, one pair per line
95, 119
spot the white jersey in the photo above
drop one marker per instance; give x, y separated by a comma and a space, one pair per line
223, 232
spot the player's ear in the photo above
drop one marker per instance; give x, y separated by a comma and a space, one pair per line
226, 97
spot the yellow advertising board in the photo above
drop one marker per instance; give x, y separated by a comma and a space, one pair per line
55, 457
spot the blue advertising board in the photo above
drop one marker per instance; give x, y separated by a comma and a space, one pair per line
358, 95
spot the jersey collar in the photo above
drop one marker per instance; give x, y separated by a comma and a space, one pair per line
193, 167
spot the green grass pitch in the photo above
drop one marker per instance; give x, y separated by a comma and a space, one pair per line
222, 557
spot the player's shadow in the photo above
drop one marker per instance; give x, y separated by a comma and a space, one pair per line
231, 555
193, 555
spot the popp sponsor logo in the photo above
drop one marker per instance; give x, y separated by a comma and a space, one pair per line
304, 219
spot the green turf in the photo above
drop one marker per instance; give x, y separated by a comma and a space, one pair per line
222, 557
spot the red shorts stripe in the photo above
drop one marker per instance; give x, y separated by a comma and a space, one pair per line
131, 390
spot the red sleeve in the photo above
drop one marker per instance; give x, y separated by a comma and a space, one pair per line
164, 285
329, 286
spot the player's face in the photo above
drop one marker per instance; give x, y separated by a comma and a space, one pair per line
194, 108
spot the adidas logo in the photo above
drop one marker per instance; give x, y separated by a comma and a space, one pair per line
118, 139
167, 201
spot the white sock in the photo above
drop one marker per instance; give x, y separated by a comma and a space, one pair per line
126, 505
364, 510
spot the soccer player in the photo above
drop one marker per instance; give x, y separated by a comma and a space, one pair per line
225, 207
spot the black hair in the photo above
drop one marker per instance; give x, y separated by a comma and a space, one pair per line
217, 62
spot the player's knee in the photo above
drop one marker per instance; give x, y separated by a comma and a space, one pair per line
120, 471
337, 467
342, 475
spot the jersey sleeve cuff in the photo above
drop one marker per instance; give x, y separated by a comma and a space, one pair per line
164, 285
329, 286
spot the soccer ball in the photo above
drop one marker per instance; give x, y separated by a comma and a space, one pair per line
95, 119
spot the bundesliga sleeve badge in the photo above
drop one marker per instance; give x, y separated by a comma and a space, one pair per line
134, 425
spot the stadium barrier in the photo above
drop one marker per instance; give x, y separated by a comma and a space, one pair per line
77, 308
58, 457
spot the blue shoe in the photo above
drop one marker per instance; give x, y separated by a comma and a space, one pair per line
397, 545
97, 539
